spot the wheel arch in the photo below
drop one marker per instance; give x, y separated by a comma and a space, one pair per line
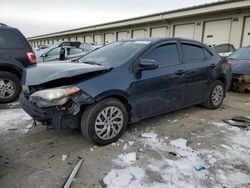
223, 79
119, 95
12, 69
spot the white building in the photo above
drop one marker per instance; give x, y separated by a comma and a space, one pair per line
214, 23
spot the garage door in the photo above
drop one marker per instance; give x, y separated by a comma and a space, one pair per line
122, 35
138, 33
246, 35
72, 38
159, 32
217, 32
109, 38
184, 31
88, 39
80, 39
97, 39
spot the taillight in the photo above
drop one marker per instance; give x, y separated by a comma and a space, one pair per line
31, 57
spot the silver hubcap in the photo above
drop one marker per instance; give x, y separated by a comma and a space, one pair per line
217, 95
7, 88
109, 122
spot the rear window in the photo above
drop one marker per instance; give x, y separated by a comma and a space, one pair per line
74, 51
192, 52
9, 39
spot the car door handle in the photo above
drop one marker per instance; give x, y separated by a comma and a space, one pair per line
213, 65
179, 72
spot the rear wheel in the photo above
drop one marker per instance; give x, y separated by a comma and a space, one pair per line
104, 122
216, 95
10, 87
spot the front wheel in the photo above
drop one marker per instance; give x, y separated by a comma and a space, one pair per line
104, 122
216, 95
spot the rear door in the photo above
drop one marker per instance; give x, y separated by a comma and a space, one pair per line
162, 89
198, 66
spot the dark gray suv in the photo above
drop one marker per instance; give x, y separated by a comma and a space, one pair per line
15, 55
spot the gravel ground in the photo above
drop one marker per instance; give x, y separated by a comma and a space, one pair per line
166, 156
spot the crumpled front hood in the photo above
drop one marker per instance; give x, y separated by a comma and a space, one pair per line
46, 72
241, 66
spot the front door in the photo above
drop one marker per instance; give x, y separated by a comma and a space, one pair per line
162, 89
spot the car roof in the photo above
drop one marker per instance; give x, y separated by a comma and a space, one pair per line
245, 47
158, 39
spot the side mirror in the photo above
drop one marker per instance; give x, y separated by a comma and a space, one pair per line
147, 64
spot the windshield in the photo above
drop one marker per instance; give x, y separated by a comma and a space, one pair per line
241, 54
115, 54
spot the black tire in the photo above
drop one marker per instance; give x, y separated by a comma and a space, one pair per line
90, 115
16, 83
210, 104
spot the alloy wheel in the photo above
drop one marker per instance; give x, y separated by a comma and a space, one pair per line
217, 95
109, 122
7, 88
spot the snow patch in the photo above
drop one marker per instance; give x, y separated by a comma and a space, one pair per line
126, 159
125, 146
180, 143
14, 119
129, 177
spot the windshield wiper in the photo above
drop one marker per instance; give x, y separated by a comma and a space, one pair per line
92, 63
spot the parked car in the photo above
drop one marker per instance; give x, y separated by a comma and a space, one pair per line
125, 82
15, 54
224, 50
42, 51
241, 69
43, 46
61, 53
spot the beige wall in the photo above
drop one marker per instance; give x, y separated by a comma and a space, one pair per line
235, 38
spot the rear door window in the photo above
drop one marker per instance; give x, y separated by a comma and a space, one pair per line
165, 55
74, 51
9, 39
192, 52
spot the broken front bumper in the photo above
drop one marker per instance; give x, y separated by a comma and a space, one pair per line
58, 118
241, 82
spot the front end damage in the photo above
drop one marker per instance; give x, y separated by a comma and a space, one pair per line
50, 96
61, 116
241, 82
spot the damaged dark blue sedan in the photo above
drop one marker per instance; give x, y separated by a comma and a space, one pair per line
123, 83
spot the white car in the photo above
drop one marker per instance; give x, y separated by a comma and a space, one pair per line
224, 50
